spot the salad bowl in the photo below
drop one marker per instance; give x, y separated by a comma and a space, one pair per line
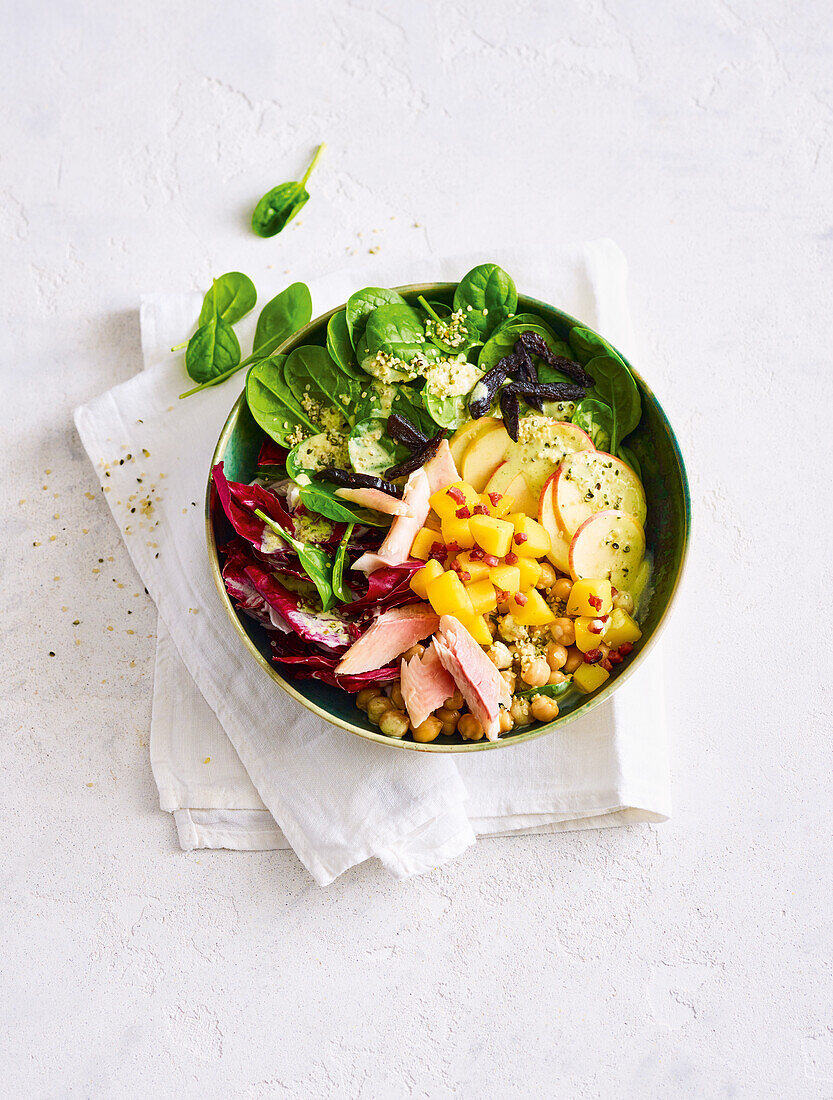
667, 532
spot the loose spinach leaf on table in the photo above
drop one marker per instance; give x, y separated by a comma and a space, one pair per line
341, 592
614, 384
272, 403
232, 296
361, 304
280, 205
311, 373
595, 418
212, 351
315, 563
487, 288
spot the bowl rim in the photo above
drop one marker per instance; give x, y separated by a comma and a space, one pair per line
593, 701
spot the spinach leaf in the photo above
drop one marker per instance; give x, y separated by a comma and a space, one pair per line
595, 418
614, 384
552, 691
630, 459
279, 318
313, 377
213, 350
490, 296
451, 337
371, 449
448, 412
586, 344
315, 563
341, 591
272, 403
524, 321
393, 326
280, 205
361, 304
321, 498
502, 343
232, 296
340, 346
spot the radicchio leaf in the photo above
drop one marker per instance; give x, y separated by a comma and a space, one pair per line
272, 454
315, 666
388, 587
239, 503
328, 630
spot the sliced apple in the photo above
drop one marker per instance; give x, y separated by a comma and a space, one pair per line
559, 553
542, 445
484, 455
508, 482
608, 544
593, 481
467, 434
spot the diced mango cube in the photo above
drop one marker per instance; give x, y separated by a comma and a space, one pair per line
530, 572
447, 502
457, 533
421, 579
424, 540
497, 504
589, 677
447, 596
482, 596
534, 611
621, 628
492, 535
479, 629
477, 570
587, 637
590, 597
507, 578
530, 539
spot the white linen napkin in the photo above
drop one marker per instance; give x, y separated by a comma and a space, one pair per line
238, 763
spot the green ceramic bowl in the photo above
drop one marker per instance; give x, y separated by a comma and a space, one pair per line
667, 534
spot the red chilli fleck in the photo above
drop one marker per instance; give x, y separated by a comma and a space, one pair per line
457, 494
625, 648
495, 498
481, 510
521, 538
437, 550
491, 560
520, 599
593, 656
511, 559
463, 513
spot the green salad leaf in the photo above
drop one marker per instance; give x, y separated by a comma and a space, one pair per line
273, 404
232, 296
314, 561
339, 588
488, 295
280, 205
361, 304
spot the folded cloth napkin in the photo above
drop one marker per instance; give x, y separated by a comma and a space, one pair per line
242, 767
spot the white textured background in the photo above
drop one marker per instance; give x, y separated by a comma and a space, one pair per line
688, 960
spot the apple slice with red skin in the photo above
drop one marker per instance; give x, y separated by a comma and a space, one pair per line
609, 544
508, 482
559, 553
465, 436
593, 481
484, 455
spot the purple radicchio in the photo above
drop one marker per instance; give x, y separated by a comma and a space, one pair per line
239, 503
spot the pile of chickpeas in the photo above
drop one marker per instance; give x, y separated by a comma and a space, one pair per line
526, 657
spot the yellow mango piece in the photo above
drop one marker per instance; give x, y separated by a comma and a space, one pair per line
583, 592
535, 611
507, 578
589, 677
530, 572
446, 505
482, 596
477, 626
491, 534
497, 504
530, 540
421, 579
447, 596
621, 628
424, 539
477, 570
587, 639
457, 531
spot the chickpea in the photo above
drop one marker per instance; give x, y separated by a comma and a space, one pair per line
543, 709
574, 659
394, 723
377, 707
520, 711
449, 719
556, 677
547, 578
507, 722
469, 728
429, 730
365, 695
536, 673
455, 701
500, 655
563, 630
623, 600
562, 588
492, 625
556, 655
511, 679
396, 696
415, 651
